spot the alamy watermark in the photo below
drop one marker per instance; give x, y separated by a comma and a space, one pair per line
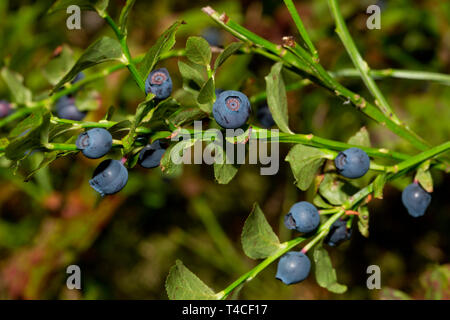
263, 147
374, 21
74, 20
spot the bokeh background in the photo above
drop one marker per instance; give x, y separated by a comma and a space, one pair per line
126, 244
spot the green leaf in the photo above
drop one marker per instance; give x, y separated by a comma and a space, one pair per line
192, 72
206, 94
103, 50
363, 221
318, 201
124, 15
423, 176
95, 5
378, 185
198, 50
334, 190
325, 273
276, 97
224, 172
186, 115
182, 284
120, 129
59, 66
175, 151
29, 134
258, 239
305, 161
19, 93
141, 112
226, 53
164, 43
361, 138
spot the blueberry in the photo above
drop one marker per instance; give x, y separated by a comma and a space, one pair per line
265, 117
416, 200
338, 233
159, 83
213, 36
109, 177
303, 217
151, 155
352, 163
5, 108
94, 143
231, 109
66, 109
293, 267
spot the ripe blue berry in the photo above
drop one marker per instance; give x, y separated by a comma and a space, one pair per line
265, 117
159, 83
231, 109
151, 155
416, 200
5, 108
109, 177
338, 233
66, 109
303, 217
293, 267
352, 163
94, 143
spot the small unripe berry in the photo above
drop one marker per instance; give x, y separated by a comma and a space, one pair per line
303, 217
416, 200
94, 143
352, 163
293, 267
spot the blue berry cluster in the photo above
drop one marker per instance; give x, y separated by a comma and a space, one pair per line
294, 267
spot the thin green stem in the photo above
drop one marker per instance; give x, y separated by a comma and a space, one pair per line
397, 73
301, 28
359, 62
126, 52
293, 62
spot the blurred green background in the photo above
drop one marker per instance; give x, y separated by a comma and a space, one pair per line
126, 244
